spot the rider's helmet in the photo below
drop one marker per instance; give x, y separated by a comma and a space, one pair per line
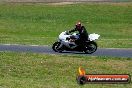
78, 26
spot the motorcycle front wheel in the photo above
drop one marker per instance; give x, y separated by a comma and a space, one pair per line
90, 47
56, 47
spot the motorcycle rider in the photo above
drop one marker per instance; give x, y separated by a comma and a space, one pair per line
83, 34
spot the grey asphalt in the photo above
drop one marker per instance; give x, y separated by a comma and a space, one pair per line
48, 50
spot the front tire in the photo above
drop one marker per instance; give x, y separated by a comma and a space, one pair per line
56, 48
90, 47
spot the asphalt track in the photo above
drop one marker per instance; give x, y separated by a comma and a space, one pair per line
48, 50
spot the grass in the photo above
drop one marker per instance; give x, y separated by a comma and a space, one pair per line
41, 24
31, 70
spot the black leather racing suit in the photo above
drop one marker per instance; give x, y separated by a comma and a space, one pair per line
83, 35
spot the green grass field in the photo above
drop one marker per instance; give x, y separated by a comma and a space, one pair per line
41, 24
30, 70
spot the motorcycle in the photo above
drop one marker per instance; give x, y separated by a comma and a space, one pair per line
67, 42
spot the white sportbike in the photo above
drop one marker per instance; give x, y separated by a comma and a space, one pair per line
66, 42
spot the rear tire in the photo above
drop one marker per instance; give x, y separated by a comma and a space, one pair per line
90, 47
56, 48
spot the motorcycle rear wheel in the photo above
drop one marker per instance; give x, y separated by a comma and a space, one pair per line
90, 48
